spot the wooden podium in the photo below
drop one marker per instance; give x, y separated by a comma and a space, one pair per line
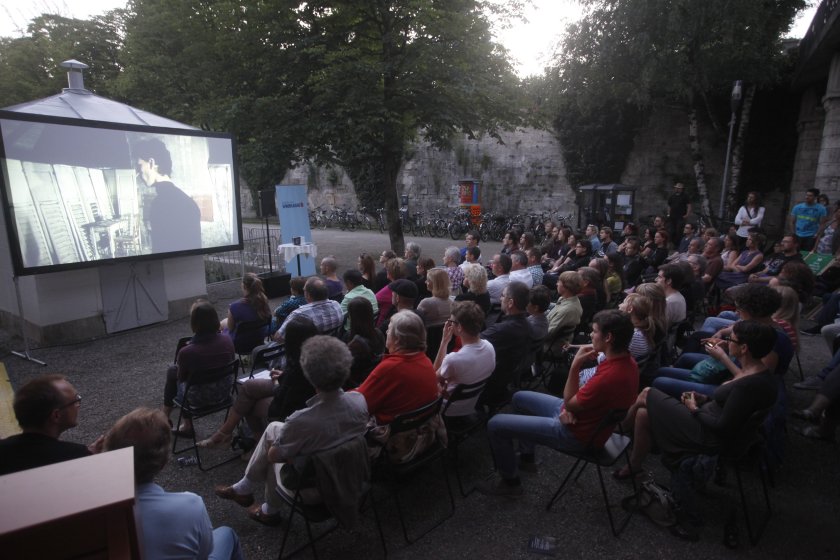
76, 509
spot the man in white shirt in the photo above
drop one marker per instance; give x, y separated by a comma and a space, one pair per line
519, 269
500, 266
671, 279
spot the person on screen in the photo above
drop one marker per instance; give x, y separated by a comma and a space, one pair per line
173, 217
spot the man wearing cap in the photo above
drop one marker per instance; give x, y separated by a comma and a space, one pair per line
404, 296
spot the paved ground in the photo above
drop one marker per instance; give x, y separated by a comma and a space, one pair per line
119, 373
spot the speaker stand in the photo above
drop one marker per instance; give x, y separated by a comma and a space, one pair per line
25, 354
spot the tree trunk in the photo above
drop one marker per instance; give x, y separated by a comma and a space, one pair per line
737, 159
699, 165
391, 161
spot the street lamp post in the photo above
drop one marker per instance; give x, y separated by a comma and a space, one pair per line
734, 103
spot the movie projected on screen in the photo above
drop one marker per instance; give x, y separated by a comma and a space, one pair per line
77, 193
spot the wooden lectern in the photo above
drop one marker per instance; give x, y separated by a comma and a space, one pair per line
76, 509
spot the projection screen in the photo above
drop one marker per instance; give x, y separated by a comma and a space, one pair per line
78, 193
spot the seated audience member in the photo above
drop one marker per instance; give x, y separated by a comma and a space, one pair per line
697, 424
614, 279
571, 422
424, 265
331, 418
473, 362
252, 308
45, 407
657, 253
367, 267
695, 247
633, 263
435, 310
656, 294
671, 279
510, 243
714, 262
578, 257
403, 298
608, 246
539, 299
473, 255
526, 241
566, 314
381, 280
171, 524
629, 230
295, 300
593, 295
451, 260
511, 338
258, 400
519, 269
500, 266
787, 315
775, 262
404, 380
475, 282
535, 266
689, 233
756, 303
592, 236
471, 241
410, 257
826, 241
324, 312
208, 349
745, 264
365, 341
798, 276
693, 289
395, 270
354, 283
335, 288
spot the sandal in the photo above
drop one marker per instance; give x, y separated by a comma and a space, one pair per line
216, 441
625, 473
270, 520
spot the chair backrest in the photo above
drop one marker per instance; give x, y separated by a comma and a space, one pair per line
433, 337
212, 375
740, 443
267, 356
415, 418
464, 392
250, 334
183, 341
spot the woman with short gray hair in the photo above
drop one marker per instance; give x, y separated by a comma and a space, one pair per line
475, 280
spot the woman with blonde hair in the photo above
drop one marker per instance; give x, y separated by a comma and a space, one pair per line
787, 316
435, 310
475, 280
656, 294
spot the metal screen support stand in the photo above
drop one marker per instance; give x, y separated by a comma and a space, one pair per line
268, 245
25, 354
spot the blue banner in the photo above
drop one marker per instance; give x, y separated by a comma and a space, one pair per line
293, 211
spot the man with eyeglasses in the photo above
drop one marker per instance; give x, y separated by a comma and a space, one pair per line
45, 407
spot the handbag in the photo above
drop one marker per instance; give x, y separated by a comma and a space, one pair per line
710, 372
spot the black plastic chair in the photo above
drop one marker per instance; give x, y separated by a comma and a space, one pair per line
396, 475
605, 456
183, 341
246, 337
224, 375
344, 454
266, 357
459, 428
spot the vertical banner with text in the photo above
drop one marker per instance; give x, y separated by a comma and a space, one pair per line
293, 211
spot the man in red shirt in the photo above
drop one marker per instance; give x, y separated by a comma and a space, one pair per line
570, 422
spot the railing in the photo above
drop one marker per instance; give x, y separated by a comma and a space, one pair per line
254, 257
822, 16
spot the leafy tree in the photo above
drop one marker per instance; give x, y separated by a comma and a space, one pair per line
30, 64
649, 52
380, 73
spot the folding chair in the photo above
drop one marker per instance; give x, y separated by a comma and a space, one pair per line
554, 356
459, 428
266, 356
606, 456
183, 341
246, 337
352, 453
395, 475
191, 403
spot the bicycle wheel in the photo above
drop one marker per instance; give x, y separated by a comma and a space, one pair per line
351, 223
454, 230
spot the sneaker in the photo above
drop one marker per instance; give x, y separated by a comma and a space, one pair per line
812, 383
813, 331
499, 487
